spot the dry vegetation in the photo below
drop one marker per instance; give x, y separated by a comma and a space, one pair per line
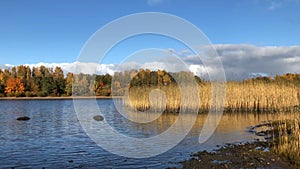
258, 97
241, 97
287, 141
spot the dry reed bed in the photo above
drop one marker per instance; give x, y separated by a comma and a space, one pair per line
240, 97
287, 139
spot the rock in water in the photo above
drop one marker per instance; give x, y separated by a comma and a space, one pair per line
23, 118
98, 118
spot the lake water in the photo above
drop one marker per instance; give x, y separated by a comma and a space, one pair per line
54, 138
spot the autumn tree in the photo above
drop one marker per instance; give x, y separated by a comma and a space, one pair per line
69, 81
102, 85
2, 83
59, 82
81, 86
14, 87
160, 81
43, 81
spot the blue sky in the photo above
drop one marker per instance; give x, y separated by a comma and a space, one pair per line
54, 31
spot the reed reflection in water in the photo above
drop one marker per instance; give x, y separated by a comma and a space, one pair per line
54, 136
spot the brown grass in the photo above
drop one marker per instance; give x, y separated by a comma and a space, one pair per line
287, 143
240, 97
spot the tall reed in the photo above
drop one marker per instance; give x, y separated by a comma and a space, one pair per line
240, 97
287, 141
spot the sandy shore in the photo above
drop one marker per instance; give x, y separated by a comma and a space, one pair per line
59, 98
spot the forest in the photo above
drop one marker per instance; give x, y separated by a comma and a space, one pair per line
23, 81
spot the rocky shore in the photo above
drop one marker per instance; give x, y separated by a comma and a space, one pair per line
257, 154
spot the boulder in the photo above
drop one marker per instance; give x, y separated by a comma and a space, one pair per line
23, 118
98, 118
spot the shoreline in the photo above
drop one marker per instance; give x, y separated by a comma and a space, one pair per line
59, 98
248, 155
257, 154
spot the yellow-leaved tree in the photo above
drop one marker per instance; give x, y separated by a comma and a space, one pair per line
14, 87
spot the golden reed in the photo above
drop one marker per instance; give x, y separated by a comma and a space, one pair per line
241, 97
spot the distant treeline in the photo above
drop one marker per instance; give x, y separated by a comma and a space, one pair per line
23, 81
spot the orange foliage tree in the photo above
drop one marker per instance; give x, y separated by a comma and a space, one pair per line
14, 85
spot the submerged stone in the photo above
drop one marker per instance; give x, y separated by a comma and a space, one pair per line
98, 118
23, 118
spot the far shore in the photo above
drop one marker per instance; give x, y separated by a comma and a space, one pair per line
59, 98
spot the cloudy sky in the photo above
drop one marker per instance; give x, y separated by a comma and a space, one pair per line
251, 37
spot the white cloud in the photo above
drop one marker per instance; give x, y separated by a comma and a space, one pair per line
239, 61
244, 60
5, 66
78, 67
199, 70
127, 66
155, 66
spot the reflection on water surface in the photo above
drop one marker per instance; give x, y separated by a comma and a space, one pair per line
54, 138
